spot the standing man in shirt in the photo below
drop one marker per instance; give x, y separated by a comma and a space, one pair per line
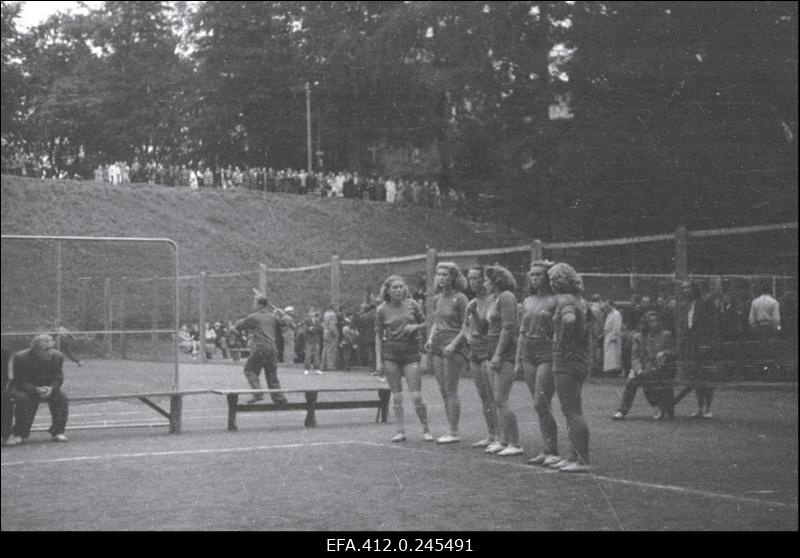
262, 324
330, 338
765, 316
701, 321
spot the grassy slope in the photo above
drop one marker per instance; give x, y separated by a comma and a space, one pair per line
229, 231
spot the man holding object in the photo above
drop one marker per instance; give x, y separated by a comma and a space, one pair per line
264, 354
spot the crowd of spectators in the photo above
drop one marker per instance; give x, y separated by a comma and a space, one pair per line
418, 190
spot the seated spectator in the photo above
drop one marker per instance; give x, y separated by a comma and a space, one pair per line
185, 342
38, 377
653, 368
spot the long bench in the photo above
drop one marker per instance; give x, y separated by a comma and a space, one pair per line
311, 404
173, 415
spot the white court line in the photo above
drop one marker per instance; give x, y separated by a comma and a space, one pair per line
167, 453
529, 468
638, 484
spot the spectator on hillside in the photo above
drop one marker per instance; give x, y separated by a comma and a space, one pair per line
208, 178
236, 342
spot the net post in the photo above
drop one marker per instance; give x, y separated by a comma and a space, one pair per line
262, 278
107, 314
59, 280
154, 313
336, 279
123, 317
681, 274
537, 250
201, 316
430, 279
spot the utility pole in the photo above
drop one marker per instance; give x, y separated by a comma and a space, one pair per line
308, 127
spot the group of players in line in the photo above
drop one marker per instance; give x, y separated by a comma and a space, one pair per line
547, 343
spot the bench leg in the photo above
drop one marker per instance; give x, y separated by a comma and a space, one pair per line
233, 401
311, 415
383, 410
175, 410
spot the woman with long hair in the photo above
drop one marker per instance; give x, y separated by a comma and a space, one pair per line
501, 338
570, 361
474, 331
535, 356
397, 322
447, 352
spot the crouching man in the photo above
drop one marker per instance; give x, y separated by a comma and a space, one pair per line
38, 376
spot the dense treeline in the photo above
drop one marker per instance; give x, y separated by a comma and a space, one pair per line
597, 118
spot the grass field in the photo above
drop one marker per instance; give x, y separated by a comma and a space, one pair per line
737, 471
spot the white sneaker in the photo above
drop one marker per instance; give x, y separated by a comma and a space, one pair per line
485, 443
560, 464
510, 451
13, 440
575, 467
551, 460
448, 439
60, 438
306, 372
428, 437
318, 372
618, 415
399, 437
539, 459
495, 447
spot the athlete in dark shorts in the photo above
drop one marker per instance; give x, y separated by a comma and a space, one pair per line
502, 348
535, 357
397, 322
447, 352
474, 331
571, 361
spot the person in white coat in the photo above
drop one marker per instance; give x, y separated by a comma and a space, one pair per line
612, 340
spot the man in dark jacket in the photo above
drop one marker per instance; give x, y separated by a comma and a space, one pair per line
38, 376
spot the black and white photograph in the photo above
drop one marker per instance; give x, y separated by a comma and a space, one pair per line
399, 276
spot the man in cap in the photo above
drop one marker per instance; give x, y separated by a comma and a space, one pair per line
38, 377
263, 324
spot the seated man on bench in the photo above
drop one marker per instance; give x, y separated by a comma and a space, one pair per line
38, 376
264, 354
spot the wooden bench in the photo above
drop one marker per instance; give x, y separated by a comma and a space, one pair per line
175, 403
311, 404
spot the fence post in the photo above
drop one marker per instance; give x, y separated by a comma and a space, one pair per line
430, 284
336, 277
154, 313
201, 316
123, 317
59, 280
262, 279
537, 250
107, 314
681, 274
